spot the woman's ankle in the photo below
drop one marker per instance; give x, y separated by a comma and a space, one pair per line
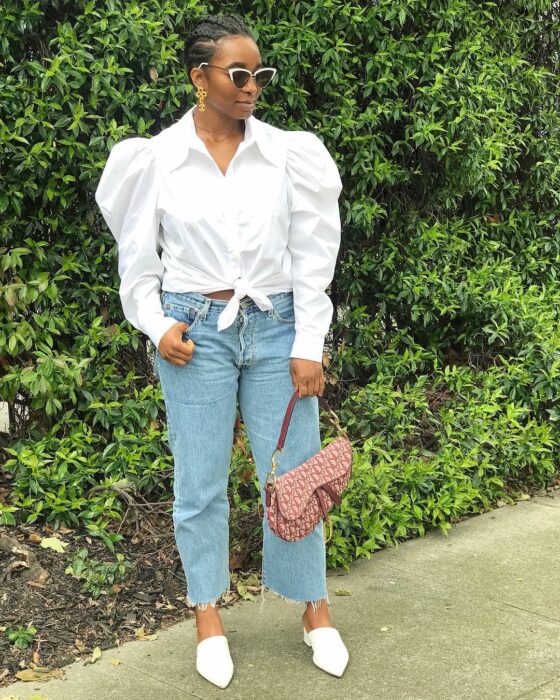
208, 623
316, 617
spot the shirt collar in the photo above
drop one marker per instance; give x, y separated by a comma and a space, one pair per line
182, 136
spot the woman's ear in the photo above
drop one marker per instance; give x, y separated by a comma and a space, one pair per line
197, 77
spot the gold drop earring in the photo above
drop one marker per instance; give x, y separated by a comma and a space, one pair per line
201, 94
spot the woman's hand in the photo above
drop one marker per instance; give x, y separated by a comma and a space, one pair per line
172, 348
307, 376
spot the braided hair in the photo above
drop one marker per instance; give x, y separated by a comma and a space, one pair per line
201, 45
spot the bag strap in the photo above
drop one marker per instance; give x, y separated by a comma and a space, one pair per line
283, 431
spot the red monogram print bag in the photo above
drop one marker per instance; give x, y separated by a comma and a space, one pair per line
297, 500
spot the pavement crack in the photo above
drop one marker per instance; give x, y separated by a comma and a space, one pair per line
525, 695
473, 594
546, 505
187, 693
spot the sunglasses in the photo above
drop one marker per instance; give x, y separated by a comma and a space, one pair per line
240, 76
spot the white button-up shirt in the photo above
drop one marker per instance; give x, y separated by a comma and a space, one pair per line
270, 224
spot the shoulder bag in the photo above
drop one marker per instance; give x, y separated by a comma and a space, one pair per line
300, 498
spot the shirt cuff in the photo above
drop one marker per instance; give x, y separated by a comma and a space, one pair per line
158, 329
308, 347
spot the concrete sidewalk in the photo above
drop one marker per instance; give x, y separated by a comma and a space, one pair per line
474, 615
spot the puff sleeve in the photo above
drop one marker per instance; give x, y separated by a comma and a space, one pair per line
127, 195
314, 187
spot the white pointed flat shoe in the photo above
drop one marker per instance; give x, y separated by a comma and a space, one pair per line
329, 651
213, 660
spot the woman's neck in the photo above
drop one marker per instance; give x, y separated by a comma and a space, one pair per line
216, 127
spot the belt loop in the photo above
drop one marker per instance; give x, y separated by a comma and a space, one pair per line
205, 308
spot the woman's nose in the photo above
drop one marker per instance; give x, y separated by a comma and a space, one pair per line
251, 85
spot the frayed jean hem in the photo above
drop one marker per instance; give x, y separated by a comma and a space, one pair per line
213, 603
292, 601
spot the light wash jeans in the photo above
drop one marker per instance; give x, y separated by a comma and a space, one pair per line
248, 360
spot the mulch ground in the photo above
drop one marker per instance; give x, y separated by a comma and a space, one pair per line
70, 623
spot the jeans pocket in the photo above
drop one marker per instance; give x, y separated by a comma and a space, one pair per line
283, 309
185, 313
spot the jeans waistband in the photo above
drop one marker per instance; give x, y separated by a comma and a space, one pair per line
199, 301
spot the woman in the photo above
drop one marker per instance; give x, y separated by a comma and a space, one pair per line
245, 216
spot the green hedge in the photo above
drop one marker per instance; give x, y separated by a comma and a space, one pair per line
445, 348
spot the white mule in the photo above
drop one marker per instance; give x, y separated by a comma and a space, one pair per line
329, 651
213, 660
